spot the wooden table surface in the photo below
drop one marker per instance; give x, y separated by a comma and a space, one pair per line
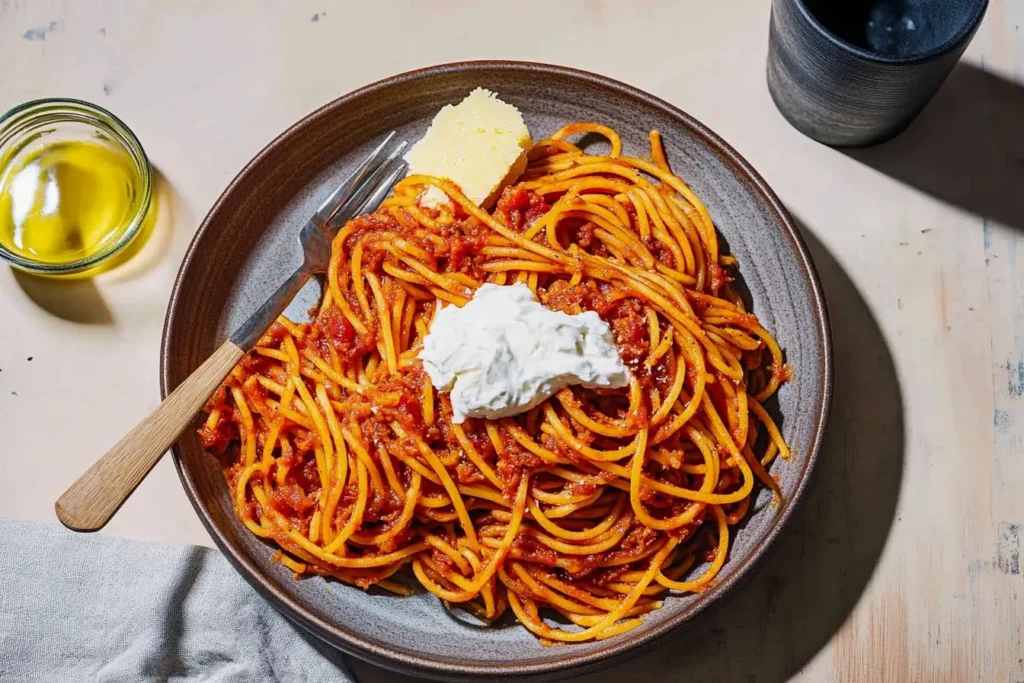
904, 563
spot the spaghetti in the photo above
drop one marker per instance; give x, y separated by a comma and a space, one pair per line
593, 504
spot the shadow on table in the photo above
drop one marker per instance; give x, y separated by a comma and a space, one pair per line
966, 148
796, 602
77, 301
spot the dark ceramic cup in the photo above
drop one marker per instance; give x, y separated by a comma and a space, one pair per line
857, 72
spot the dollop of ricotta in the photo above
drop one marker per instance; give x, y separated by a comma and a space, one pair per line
504, 353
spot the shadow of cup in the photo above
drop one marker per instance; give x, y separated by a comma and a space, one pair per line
966, 148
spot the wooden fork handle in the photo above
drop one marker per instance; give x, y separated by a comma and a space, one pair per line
91, 501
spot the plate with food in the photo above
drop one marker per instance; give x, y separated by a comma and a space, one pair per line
553, 398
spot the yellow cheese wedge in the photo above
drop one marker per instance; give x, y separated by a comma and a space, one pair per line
480, 144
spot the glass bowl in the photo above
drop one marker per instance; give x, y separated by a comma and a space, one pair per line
31, 127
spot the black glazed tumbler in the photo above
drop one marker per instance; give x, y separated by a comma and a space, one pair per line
857, 72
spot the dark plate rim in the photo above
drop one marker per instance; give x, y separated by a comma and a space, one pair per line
353, 642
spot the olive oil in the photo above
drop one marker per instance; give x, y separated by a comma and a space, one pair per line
68, 200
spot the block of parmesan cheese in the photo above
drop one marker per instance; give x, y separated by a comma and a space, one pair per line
480, 144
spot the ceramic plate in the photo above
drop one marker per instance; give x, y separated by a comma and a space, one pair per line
243, 250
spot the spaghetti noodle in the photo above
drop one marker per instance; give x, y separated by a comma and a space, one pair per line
593, 504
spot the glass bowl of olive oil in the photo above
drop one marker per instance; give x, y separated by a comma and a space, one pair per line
75, 186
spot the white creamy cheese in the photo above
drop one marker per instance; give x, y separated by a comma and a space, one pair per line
504, 353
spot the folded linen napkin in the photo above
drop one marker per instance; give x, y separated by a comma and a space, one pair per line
98, 608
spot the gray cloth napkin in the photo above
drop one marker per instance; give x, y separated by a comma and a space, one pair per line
98, 608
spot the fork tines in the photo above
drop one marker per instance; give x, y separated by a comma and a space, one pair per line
368, 185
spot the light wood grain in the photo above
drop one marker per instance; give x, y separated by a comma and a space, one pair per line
903, 565
92, 500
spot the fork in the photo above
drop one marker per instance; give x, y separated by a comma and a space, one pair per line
90, 502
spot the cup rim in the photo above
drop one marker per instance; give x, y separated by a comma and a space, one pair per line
124, 137
949, 45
